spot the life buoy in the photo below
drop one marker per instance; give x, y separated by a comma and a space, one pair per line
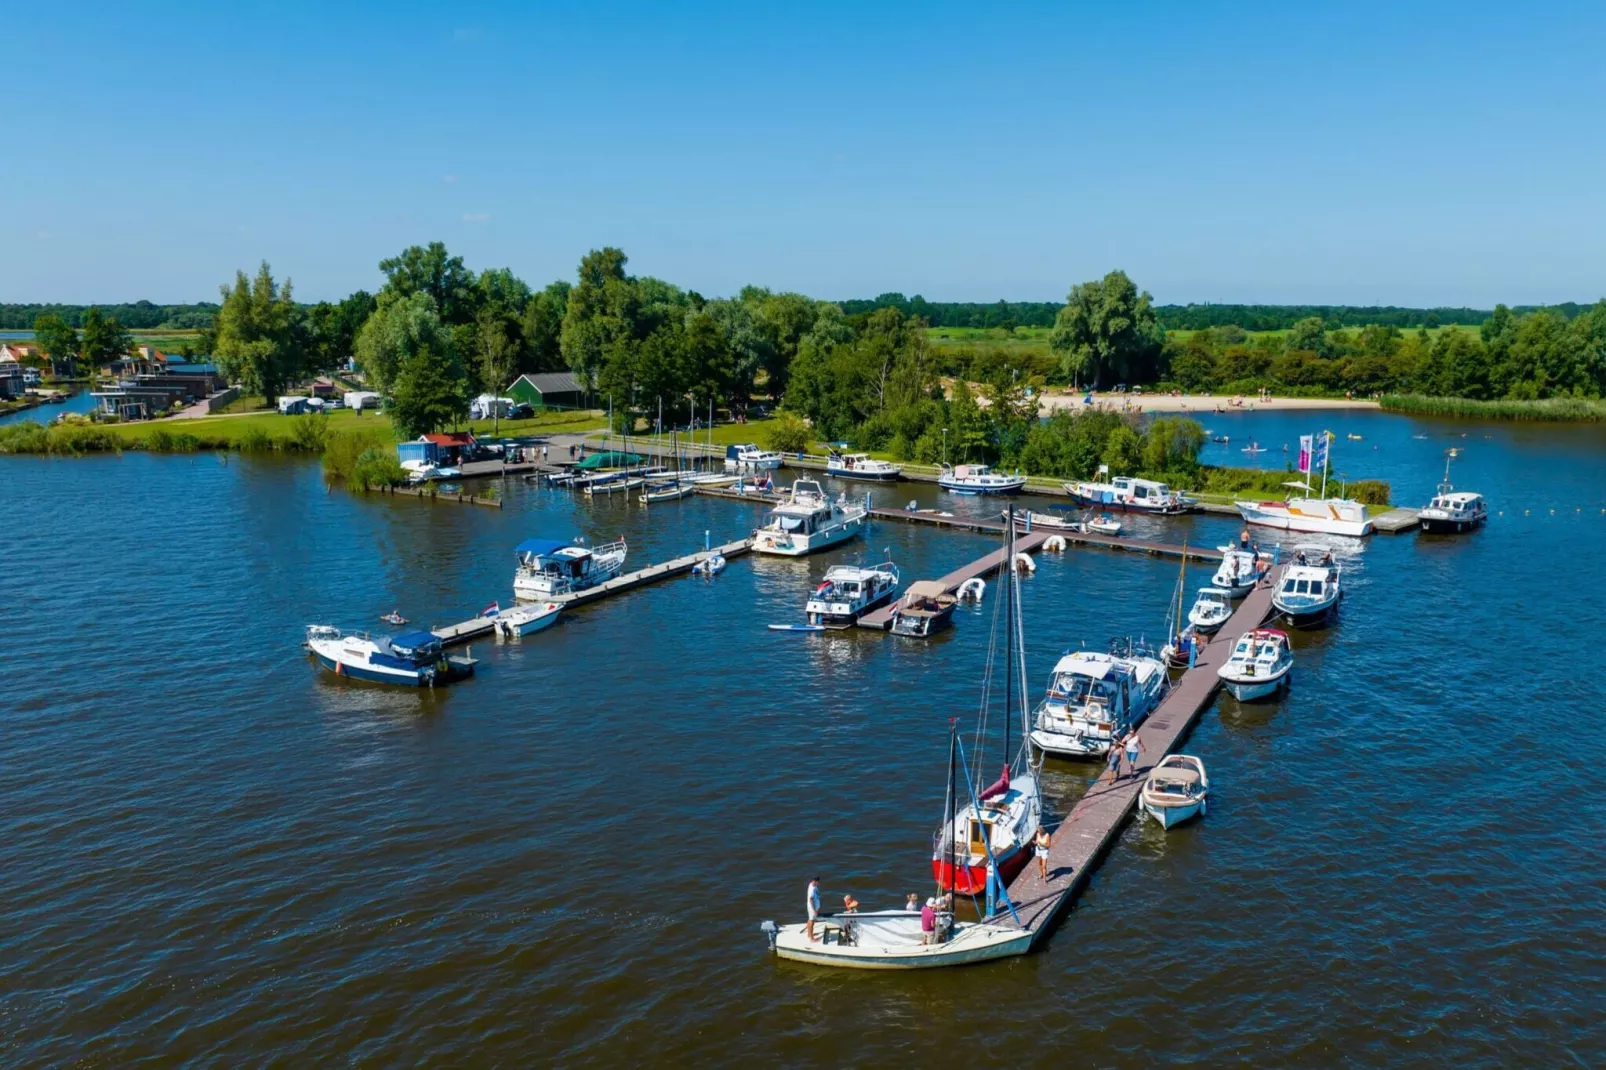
1055, 544
1024, 563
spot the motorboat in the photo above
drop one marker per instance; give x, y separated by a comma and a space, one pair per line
1309, 591
1452, 511
1128, 494
1327, 516
1212, 608
622, 484
549, 567
1033, 521
519, 621
978, 479
989, 830
419, 471
850, 591
862, 466
749, 457
1259, 664
411, 659
710, 566
1184, 648
1239, 571
667, 492
1093, 698
1103, 525
926, 608
394, 618
713, 479
1176, 790
807, 521
895, 940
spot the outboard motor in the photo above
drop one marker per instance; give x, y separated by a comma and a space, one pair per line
771, 930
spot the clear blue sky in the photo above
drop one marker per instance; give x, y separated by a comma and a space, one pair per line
1452, 154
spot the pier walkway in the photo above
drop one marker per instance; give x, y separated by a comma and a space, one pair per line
1084, 836
475, 627
881, 619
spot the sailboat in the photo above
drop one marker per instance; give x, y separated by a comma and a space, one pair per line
1181, 638
987, 831
673, 488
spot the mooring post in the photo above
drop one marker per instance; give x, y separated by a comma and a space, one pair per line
992, 887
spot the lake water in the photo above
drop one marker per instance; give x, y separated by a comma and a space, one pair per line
80, 402
216, 852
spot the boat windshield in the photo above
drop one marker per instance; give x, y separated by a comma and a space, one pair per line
1074, 689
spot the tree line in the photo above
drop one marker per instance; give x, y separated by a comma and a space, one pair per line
138, 315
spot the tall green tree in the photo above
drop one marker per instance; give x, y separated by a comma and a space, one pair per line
399, 328
103, 339
543, 329
59, 341
332, 330
1107, 332
431, 391
432, 270
257, 333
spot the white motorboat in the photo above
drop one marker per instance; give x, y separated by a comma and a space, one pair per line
894, 940
412, 659
1129, 495
748, 457
667, 492
849, 592
1259, 664
519, 621
926, 608
1032, 521
808, 521
1239, 571
861, 466
1093, 698
1103, 525
1211, 609
978, 479
420, 471
714, 479
1177, 789
1452, 511
1329, 516
548, 567
1310, 589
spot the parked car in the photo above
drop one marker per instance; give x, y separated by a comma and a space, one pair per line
521, 410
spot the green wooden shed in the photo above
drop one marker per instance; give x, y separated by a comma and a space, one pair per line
548, 390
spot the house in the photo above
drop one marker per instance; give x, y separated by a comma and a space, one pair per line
12, 383
323, 388
548, 390
453, 447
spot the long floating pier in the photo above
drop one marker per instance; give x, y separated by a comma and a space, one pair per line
881, 619
1091, 827
463, 631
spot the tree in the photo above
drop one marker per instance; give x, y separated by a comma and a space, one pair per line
431, 270
1123, 451
256, 343
58, 341
103, 340
332, 330
399, 328
1172, 444
968, 429
543, 329
1107, 331
430, 392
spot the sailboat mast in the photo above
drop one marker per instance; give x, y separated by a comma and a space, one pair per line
948, 803
1009, 623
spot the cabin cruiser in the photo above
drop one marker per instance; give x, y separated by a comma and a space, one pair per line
519, 621
978, 479
1129, 495
1177, 789
861, 466
1309, 590
1240, 570
1211, 609
1452, 511
412, 659
1093, 698
1326, 516
749, 456
1000, 824
849, 591
808, 521
927, 607
549, 567
1259, 664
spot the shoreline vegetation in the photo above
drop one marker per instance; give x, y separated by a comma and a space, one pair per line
1570, 409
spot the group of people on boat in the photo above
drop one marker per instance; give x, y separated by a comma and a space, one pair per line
936, 916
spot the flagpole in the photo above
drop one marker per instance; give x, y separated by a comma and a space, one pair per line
1327, 459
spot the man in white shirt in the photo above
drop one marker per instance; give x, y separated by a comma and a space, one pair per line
813, 904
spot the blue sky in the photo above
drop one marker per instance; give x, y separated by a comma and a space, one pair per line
1449, 154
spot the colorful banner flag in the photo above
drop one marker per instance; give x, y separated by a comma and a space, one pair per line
1318, 459
1304, 454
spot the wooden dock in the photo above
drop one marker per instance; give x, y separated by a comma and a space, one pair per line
1396, 521
476, 627
881, 619
1084, 836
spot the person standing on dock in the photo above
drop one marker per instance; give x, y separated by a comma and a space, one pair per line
1133, 745
1042, 842
813, 904
1114, 760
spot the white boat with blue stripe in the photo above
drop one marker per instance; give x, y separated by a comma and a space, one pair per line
412, 659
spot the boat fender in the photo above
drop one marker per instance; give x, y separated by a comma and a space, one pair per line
1055, 544
1024, 562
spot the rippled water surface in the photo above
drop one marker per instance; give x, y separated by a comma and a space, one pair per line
216, 852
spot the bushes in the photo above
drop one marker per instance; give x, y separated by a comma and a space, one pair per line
30, 436
308, 433
342, 450
25, 436
256, 440
789, 434
376, 467
1369, 491
1576, 409
161, 440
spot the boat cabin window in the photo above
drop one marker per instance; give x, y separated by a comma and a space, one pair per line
1316, 587
1288, 586
978, 837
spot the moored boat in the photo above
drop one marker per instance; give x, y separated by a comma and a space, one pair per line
1103, 525
863, 467
978, 479
1211, 609
1259, 664
926, 608
1094, 698
549, 567
748, 457
1310, 590
1175, 790
519, 621
808, 521
1452, 511
1128, 494
896, 940
412, 659
1239, 571
848, 592
1329, 516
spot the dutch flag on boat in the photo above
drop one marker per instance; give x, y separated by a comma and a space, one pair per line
491, 610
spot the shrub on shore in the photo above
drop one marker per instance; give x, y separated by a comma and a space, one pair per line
375, 468
67, 438
343, 450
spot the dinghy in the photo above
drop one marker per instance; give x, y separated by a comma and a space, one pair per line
1176, 790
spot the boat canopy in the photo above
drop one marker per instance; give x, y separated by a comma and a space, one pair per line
926, 589
1175, 774
1297, 485
539, 547
609, 459
412, 642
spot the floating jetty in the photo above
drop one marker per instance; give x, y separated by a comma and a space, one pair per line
463, 631
1082, 839
881, 619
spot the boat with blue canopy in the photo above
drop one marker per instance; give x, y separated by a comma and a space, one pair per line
551, 567
411, 659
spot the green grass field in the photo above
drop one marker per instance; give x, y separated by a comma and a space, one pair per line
230, 430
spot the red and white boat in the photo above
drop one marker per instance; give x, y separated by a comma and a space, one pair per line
993, 827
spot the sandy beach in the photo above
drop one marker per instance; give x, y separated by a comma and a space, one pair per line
1197, 403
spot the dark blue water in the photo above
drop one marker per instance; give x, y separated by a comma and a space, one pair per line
216, 852
80, 402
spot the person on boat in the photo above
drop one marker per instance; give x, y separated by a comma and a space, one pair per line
1243, 538
813, 905
912, 903
1042, 842
1133, 746
850, 932
945, 920
1299, 558
928, 922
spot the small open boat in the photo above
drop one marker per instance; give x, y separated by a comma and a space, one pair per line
519, 621
926, 609
1104, 525
666, 492
894, 940
1177, 789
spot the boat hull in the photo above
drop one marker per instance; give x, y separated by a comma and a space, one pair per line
1093, 501
956, 487
863, 477
1171, 816
1260, 687
518, 626
1271, 516
850, 618
782, 545
972, 880
971, 944
375, 674
1068, 745
1306, 616
1448, 526
923, 626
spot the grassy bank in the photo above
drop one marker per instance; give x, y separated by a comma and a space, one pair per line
1552, 409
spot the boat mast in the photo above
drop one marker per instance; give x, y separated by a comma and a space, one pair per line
1009, 623
949, 811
